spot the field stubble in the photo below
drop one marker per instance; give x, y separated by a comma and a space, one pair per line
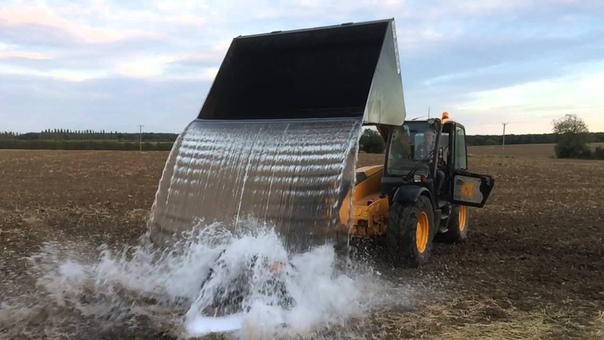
532, 267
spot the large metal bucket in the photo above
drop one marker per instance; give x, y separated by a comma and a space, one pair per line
349, 70
302, 93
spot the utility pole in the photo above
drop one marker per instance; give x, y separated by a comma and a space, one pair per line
503, 143
140, 137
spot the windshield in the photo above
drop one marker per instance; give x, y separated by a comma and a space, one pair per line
409, 145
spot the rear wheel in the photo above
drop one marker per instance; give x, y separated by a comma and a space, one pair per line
457, 229
410, 233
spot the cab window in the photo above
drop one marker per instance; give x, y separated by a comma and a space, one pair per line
461, 157
406, 149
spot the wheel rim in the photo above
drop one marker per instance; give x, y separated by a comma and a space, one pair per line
462, 218
422, 232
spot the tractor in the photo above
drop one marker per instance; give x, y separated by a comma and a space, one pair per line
276, 91
306, 78
420, 194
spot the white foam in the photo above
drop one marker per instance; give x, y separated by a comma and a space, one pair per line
201, 325
116, 289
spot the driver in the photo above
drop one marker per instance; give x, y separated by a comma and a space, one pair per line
424, 149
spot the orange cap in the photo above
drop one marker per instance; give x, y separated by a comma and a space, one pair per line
445, 115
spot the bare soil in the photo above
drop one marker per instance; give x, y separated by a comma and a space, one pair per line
532, 267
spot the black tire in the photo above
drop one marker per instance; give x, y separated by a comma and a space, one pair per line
457, 226
402, 234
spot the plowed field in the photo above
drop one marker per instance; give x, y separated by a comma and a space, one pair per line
533, 266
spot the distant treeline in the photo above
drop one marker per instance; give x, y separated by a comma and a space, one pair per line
64, 139
83, 145
79, 135
546, 138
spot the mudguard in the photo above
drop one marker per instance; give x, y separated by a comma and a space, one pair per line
409, 194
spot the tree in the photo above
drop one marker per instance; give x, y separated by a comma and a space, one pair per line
371, 142
599, 153
572, 137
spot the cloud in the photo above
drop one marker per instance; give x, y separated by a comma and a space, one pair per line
109, 103
538, 102
41, 19
23, 55
122, 63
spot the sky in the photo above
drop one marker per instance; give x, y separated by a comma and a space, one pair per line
115, 64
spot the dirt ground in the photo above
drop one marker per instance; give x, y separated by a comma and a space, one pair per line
531, 269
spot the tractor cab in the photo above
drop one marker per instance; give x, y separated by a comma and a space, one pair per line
411, 155
430, 157
420, 193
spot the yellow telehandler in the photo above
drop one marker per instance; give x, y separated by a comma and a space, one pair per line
276, 136
420, 193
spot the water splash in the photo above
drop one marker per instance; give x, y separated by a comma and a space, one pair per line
140, 290
234, 199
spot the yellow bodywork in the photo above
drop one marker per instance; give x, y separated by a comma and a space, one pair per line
369, 210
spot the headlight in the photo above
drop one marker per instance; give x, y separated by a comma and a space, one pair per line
419, 178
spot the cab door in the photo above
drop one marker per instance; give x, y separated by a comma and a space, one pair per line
467, 188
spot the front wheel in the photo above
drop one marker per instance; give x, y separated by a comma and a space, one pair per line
457, 226
410, 233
